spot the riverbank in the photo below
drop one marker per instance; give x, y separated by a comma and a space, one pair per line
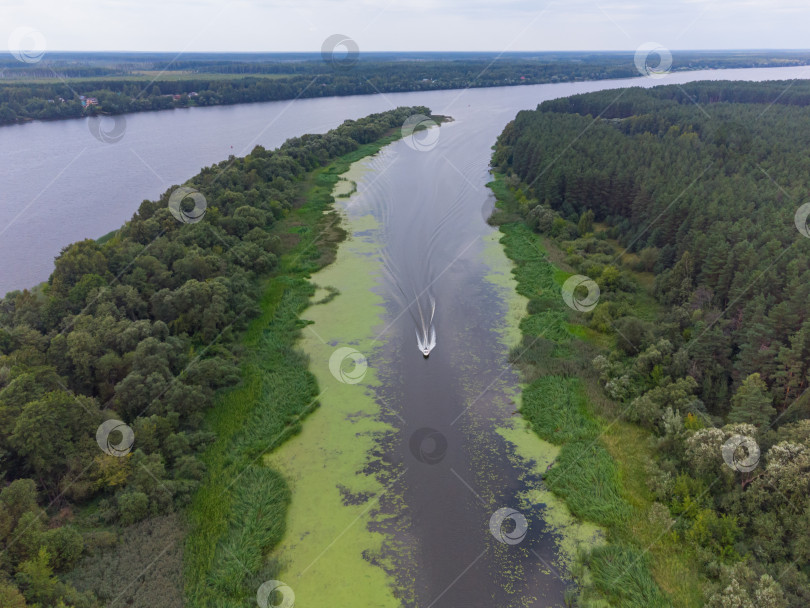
528, 450
599, 470
59, 98
333, 466
242, 510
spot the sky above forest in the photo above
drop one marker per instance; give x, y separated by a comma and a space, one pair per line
400, 25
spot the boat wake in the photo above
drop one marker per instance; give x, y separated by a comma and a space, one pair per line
410, 262
426, 339
421, 312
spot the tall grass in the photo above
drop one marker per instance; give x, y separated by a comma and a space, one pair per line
623, 574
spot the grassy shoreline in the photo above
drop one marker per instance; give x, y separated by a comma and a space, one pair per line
527, 450
239, 515
600, 468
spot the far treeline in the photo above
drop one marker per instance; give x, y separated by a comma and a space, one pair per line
144, 328
685, 205
117, 83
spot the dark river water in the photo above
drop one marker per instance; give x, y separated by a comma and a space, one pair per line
60, 184
431, 205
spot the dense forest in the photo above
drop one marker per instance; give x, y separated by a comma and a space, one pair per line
107, 370
686, 205
53, 87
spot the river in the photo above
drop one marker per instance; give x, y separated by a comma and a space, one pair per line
434, 448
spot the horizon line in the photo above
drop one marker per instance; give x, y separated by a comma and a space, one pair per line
317, 52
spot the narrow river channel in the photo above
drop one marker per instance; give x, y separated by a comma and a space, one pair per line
407, 454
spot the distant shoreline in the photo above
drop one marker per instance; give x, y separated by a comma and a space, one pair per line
122, 94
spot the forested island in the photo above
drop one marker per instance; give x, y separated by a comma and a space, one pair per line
108, 374
686, 205
72, 85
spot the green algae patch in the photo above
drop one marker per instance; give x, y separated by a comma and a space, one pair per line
500, 275
536, 455
528, 451
328, 555
344, 188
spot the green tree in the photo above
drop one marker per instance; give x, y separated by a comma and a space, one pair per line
752, 403
53, 430
65, 544
649, 408
631, 333
36, 580
132, 507
76, 261
540, 219
790, 376
10, 597
585, 225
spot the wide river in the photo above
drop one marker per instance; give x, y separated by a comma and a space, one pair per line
427, 241
60, 184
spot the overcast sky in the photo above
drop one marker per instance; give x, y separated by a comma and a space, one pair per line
413, 25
